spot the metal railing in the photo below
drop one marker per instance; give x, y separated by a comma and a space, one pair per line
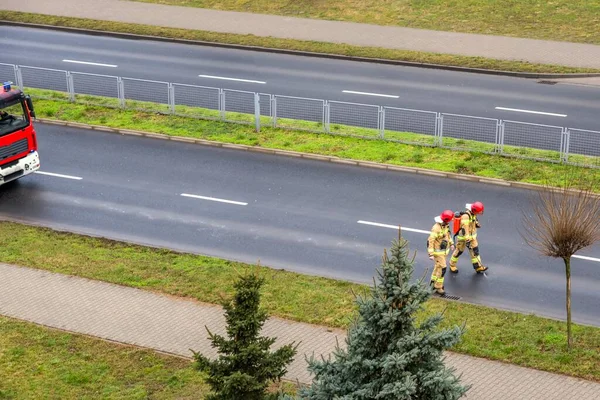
418, 127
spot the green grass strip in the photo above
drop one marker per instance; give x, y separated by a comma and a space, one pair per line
525, 340
43, 363
566, 20
289, 44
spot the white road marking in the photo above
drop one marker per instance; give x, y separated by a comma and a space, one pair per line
231, 79
588, 258
59, 175
239, 203
531, 112
393, 227
427, 233
91, 63
371, 94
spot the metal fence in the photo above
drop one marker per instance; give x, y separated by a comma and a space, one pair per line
420, 127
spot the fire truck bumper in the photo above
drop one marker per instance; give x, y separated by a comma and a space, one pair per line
25, 166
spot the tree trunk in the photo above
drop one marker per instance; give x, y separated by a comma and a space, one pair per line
568, 272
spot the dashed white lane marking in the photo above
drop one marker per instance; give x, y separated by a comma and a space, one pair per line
77, 178
531, 112
588, 258
392, 227
427, 233
231, 79
371, 94
91, 63
194, 196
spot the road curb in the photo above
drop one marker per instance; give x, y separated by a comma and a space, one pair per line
297, 154
132, 36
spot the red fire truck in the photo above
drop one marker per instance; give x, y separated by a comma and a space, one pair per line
18, 142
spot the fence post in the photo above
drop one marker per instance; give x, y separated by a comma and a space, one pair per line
121, 92
326, 115
381, 122
274, 110
565, 143
439, 129
18, 77
498, 148
171, 90
70, 87
257, 111
222, 103
501, 139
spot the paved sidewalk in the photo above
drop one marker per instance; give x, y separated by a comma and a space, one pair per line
176, 325
506, 48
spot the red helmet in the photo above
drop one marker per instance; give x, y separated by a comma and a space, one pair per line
447, 216
477, 207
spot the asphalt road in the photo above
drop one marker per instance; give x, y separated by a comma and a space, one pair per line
288, 213
421, 89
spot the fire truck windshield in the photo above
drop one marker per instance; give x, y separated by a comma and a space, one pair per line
12, 118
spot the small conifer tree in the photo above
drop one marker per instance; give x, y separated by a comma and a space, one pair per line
389, 356
245, 366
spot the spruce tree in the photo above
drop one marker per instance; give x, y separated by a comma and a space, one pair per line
389, 355
245, 366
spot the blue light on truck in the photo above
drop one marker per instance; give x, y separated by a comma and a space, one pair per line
7, 86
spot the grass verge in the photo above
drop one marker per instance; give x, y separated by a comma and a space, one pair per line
525, 340
289, 44
573, 21
38, 362
465, 162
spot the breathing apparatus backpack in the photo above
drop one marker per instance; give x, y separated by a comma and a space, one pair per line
456, 222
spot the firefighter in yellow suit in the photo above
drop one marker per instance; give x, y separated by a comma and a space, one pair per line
439, 245
467, 237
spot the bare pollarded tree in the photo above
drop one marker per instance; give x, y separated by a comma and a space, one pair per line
562, 222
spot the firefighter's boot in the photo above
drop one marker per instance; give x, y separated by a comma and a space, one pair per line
453, 269
477, 264
439, 291
480, 269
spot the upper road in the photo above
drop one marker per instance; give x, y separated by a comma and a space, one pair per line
296, 214
574, 106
